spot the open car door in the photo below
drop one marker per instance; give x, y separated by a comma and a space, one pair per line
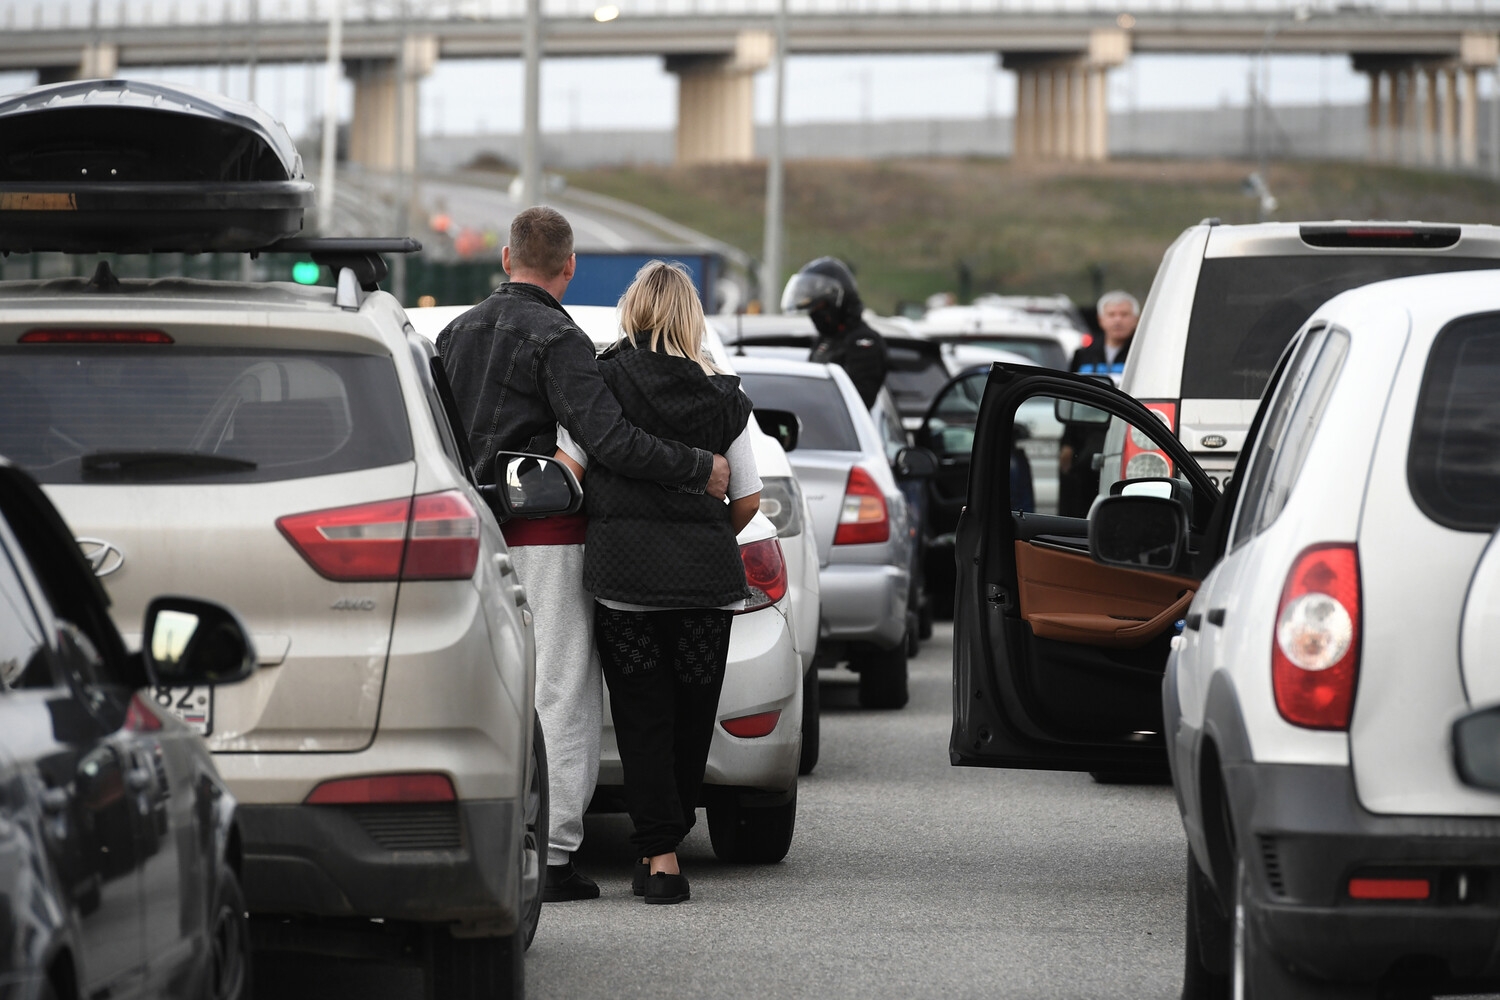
1058, 659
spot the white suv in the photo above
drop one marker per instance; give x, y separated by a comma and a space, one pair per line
1325, 629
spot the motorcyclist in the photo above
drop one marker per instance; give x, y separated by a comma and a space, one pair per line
826, 291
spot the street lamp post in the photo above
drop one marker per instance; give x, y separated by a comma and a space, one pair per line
531, 153
330, 117
771, 266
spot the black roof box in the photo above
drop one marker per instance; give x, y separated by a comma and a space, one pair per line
123, 166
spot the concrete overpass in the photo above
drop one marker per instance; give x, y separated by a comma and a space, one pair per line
1423, 57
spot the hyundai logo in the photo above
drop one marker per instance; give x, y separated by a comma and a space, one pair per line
104, 557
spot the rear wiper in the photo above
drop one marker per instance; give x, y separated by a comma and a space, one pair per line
158, 464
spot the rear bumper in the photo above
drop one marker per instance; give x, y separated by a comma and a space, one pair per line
864, 602
1303, 834
442, 862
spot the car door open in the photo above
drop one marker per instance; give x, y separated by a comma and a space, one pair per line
1058, 656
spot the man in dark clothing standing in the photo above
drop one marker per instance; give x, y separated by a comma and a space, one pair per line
1078, 482
825, 290
519, 367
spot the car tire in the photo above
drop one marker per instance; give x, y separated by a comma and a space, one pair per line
1257, 974
1206, 951
743, 833
882, 677
229, 940
811, 722
483, 968
535, 831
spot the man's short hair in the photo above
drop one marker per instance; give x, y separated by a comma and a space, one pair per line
1106, 300
541, 241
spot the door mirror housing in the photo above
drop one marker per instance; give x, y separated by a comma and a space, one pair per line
193, 643
915, 462
1476, 748
783, 425
1137, 532
533, 486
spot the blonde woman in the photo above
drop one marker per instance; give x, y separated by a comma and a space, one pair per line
664, 566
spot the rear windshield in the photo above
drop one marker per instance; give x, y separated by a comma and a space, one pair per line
817, 402
1042, 351
1453, 466
172, 414
1246, 310
913, 378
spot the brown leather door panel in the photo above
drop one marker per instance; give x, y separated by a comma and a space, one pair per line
1069, 597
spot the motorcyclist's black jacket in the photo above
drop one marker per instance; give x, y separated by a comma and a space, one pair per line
844, 338
520, 366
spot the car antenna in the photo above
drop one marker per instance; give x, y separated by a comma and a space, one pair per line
104, 278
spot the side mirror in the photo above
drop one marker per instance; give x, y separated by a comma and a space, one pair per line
783, 425
915, 462
1165, 487
534, 486
1069, 412
191, 643
1476, 748
1137, 532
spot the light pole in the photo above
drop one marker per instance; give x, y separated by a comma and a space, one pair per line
330, 117
771, 266
531, 152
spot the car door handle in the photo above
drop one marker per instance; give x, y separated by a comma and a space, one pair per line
1216, 616
1192, 621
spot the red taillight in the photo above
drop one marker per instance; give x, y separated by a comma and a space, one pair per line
863, 517
765, 572
1389, 888
749, 727
94, 337
1315, 647
1141, 458
435, 537
383, 788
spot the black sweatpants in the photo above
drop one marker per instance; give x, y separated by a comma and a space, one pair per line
664, 670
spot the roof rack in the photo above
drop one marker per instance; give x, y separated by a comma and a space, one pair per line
357, 254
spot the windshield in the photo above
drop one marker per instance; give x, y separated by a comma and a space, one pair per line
1246, 310
169, 414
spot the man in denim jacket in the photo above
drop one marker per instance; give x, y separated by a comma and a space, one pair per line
519, 366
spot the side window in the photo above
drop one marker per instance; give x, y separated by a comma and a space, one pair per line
22, 642
422, 356
1273, 436
1453, 466
892, 434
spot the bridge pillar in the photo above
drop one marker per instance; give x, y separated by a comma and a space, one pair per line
716, 101
1061, 99
383, 132
99, 61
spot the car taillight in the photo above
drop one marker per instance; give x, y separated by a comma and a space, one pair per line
750, 727
435, 537
765, 572
1141, 458
94, 337
1315, 648
863, 517
385, 788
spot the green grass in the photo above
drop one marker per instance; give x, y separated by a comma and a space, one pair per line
914, 227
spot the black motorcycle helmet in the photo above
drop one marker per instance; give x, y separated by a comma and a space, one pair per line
825, 290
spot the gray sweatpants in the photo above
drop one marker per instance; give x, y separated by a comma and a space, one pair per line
568, 697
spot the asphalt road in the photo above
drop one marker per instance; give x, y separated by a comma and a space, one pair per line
907, 878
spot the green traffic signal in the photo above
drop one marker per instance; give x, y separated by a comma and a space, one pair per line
305, 272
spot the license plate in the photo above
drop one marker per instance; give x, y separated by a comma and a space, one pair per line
193, 705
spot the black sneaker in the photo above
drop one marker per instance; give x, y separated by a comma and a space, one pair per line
638, 880
664, 888
566, 883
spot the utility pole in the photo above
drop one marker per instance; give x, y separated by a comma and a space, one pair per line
531, 140
247, 265
330, 117
771, 266
405, 116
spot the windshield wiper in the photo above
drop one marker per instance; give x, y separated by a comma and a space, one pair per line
158, 464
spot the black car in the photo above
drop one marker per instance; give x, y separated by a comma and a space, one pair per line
118, 845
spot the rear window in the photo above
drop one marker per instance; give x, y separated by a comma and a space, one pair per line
1042, 351
913, 378
1246, 310
171, 414
816, 401
1454, 462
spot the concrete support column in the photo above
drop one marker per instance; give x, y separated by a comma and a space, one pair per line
1373, 119
1098, 150
1062, 110
1057, 105
1468, 118
1079, 108
1021, 123
95, 62
1429, 78
383, 132
716, 101
1449, 113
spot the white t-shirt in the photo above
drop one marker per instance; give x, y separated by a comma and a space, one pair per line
744, 479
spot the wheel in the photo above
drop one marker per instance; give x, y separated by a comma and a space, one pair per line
1257, 974
745, 833
487, 968
811, 724
882, 678
229, 940
534, 839
1205, 973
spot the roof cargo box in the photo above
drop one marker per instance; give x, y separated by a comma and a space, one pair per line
122, 166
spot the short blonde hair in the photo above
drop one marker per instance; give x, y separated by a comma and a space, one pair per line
663, 303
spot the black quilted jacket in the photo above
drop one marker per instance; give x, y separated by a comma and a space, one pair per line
646, 544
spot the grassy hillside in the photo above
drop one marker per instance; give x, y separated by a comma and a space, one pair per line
912, 227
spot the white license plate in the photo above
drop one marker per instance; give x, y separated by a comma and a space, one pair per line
193, 705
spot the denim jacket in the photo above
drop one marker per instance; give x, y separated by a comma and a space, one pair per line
519, 366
